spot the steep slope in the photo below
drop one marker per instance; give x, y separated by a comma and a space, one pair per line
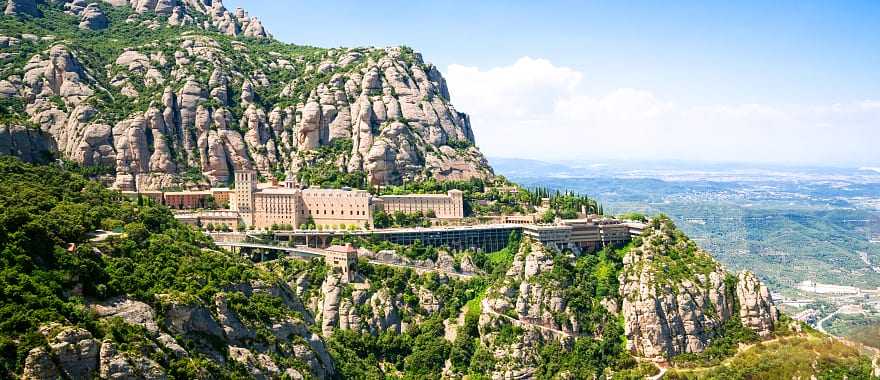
676, 298
163, 93
158, 301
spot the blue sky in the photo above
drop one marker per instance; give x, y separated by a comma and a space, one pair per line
808, 66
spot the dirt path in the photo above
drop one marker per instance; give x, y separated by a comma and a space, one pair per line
520, 323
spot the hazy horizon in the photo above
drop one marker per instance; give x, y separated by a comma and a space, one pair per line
679, 163
782, 83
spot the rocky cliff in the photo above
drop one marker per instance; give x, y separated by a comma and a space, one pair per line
159, 300
208, 331
676, 297
190, 89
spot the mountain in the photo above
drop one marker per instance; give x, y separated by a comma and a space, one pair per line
159, 300
163, 93
168, 93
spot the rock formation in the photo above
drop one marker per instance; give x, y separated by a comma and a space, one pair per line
527, 298
194, 104
93, 18
76, 354
756, 308
666, 316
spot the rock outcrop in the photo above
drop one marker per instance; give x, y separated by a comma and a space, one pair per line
74, 353
528, 298
93, 18
667, 315
756, 308
671, 319
31, 145
339, 306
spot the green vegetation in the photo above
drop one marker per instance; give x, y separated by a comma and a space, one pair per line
433, 186
401, 219
787, 358
566, 204
418, 353
49, 266
680, 258
637, 216
589, 357
497, 263
322, 170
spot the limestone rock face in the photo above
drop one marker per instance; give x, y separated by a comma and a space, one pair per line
310, 128
663, 322
530, 300
28, 144
39, 365
131, 311
75, 350
119, 365
359, 307
55, 73
756, 308
173, 109
666, 316
74, 353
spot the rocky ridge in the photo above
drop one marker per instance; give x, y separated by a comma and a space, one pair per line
527, 299
675, 297
76, 353
363, 306
191, 103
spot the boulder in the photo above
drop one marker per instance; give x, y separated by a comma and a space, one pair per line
75, 350
131, 311
93, 18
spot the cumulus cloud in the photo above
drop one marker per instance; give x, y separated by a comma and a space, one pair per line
535, 109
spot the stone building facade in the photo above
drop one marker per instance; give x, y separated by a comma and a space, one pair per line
289, 205
444, 206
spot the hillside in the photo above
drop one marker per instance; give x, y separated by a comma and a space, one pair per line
160, 301
153, 94
182, 93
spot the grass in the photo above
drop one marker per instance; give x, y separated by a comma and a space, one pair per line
475, 306
787, 358
501, 257
867, 334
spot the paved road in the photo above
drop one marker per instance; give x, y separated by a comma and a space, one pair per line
819, 325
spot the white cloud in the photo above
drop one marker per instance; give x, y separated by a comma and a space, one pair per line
533, 108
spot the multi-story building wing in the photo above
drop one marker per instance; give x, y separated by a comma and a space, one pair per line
444, 206
288, 205
333, 207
